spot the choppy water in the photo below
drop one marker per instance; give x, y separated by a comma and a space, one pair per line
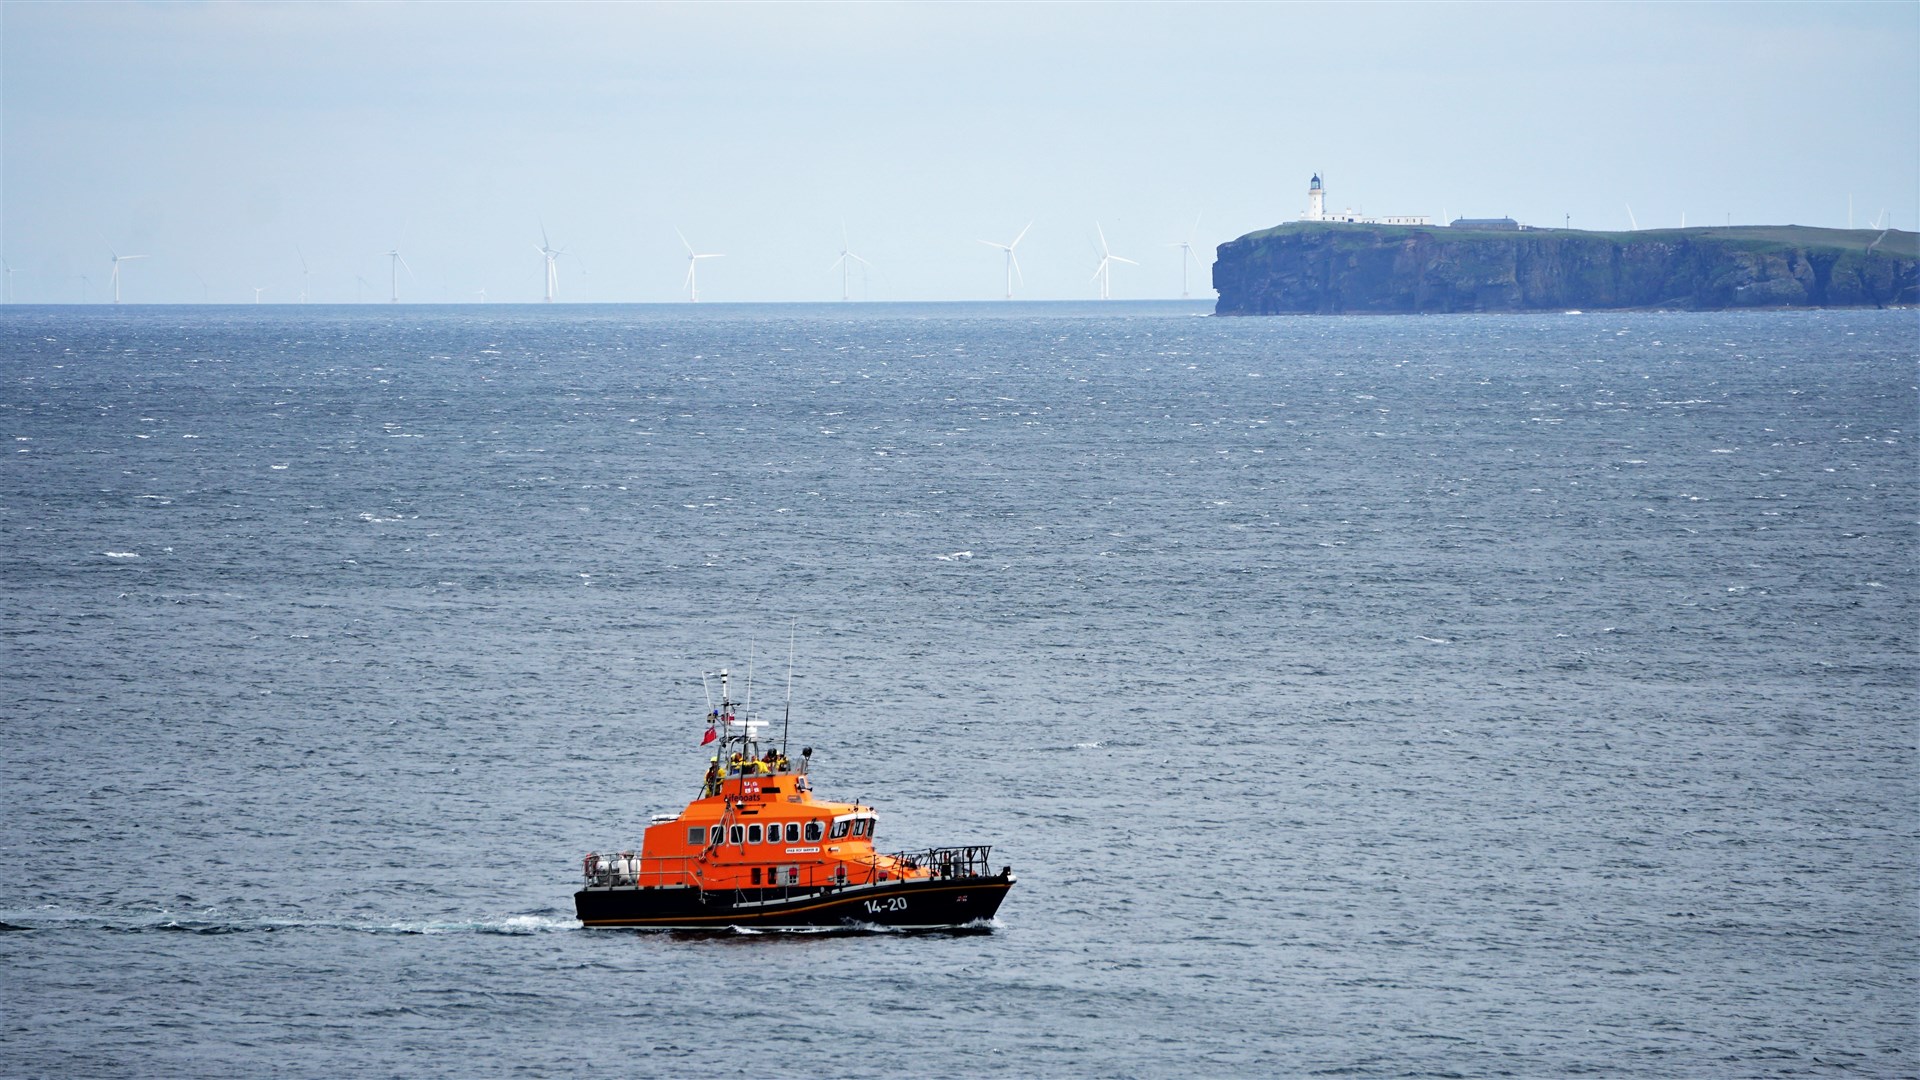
1371, 697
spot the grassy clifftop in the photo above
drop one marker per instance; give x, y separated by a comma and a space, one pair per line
1311, 267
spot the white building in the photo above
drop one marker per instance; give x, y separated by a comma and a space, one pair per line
1317, 211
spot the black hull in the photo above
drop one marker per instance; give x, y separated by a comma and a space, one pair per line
935, 904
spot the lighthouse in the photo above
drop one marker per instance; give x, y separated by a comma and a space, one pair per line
1317, 210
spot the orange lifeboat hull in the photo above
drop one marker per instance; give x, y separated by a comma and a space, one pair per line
922, 904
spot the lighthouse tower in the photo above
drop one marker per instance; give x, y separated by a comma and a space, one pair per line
1316, 201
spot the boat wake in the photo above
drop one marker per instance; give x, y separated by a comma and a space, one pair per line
167, 922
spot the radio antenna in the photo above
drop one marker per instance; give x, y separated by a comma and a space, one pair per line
788, 722
746, 731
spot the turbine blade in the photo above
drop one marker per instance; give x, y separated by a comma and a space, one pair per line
1015, 259
1103, 238
1022, 236
991, 244
683, 240
1124, 259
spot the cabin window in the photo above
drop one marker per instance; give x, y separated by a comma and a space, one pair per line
714, 836
793, 832
756, 875
839, 831
753, 834
773, 832
737, 834
813, 832
696, 835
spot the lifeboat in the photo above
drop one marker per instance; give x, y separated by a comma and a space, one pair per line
757, 849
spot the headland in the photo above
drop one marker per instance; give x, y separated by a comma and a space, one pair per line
1334, 267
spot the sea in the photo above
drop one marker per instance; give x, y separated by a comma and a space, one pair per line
1437, 696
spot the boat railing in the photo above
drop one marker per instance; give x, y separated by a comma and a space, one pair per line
627, 869
947, 862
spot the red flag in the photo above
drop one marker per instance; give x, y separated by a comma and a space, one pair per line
708, 737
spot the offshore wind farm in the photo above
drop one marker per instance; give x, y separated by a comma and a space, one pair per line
843, 265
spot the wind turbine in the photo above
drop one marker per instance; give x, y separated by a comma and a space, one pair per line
1104, 272
1187, 255
304, 271
693, 262
117, 260
361, 285
551, 253
257, 290
1013, 261
10, 272
846, 260
394, 263
1630, 218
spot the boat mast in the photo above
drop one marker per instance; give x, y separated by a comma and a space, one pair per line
727, 718
788, 722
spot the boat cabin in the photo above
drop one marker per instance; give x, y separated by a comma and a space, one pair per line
756, 824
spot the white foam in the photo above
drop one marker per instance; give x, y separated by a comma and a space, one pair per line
121, 554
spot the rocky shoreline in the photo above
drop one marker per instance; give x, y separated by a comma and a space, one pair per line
1317, 268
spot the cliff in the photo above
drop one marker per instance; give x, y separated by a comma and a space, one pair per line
1316, 268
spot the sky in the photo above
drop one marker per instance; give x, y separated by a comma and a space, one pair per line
234, 144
